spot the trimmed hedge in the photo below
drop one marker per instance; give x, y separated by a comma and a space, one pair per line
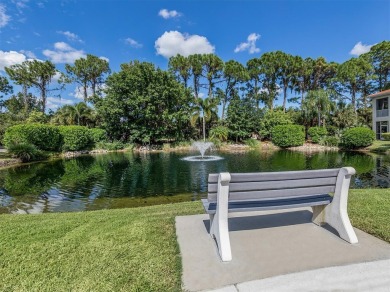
358, 137
288, 135
386, 136
75, 138
42, 136
317, 133
98, 135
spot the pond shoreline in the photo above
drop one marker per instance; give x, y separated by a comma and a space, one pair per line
263, 146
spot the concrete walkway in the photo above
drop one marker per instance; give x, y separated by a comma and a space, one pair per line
371, 276
270, 244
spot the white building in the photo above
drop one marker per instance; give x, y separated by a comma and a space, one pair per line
380, 113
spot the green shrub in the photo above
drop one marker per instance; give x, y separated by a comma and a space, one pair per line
252, 143
386, 136
288, 135
272, 119
98, 135
44, 137
220, 132
358, 137
111, 146
316, 133
74, 138
25, 152
330, 141
332, 130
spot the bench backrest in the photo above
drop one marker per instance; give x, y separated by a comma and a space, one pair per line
273, 185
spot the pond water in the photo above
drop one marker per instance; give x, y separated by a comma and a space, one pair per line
119, 180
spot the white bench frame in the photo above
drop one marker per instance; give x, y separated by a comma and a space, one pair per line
335, 213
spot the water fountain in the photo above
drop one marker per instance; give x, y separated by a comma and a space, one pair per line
202, 147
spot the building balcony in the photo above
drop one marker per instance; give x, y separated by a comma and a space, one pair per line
382, 113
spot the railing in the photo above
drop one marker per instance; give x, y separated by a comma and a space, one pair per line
382, 113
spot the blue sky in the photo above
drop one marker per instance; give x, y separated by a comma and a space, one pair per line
121, 31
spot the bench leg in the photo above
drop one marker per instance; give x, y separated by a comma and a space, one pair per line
337, 217
220, 228
318, 214
335, 214
211, 225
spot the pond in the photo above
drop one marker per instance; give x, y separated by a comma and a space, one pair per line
119, 180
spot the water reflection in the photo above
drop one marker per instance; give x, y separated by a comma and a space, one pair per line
118, 180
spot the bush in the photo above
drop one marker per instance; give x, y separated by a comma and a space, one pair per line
74, 138
25, 152
386, 136
44, 137
330, 141
252, 143
288, 135
220, 132
272, 119
358, 137
332, 130
98, 135
316, 133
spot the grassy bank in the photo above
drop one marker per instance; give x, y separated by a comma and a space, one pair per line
379, 146
124, 249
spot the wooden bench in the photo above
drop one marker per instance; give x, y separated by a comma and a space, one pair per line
241, 192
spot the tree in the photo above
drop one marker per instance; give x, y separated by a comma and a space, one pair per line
41, 74
19, 73
302, 71
89, 72
234, 73
181, 67
213, 67
196, 65
16, 105
285, 73
269, 69
354, 76
379, 57
5, 88
253, 68
243, 118
204, 108
144, 104
318, 104
79, 114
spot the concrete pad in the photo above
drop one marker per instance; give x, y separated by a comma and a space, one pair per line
372, 276
266, 244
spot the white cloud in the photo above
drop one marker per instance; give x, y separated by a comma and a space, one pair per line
250, 45
29, 54
4, 18
104, 58
63, 53
360, 48
71, 36
21, 4
56, 76
173, 42
133, 43
11, 58
55, 102
165, 13
79, 92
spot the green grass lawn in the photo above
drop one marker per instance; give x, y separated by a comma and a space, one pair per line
379, 146
124, 249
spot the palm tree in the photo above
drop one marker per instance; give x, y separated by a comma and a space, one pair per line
79, 114
318, 103
204, 108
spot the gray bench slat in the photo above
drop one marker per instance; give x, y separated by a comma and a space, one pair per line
283, 175
212, 197
237, 206
274, 185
